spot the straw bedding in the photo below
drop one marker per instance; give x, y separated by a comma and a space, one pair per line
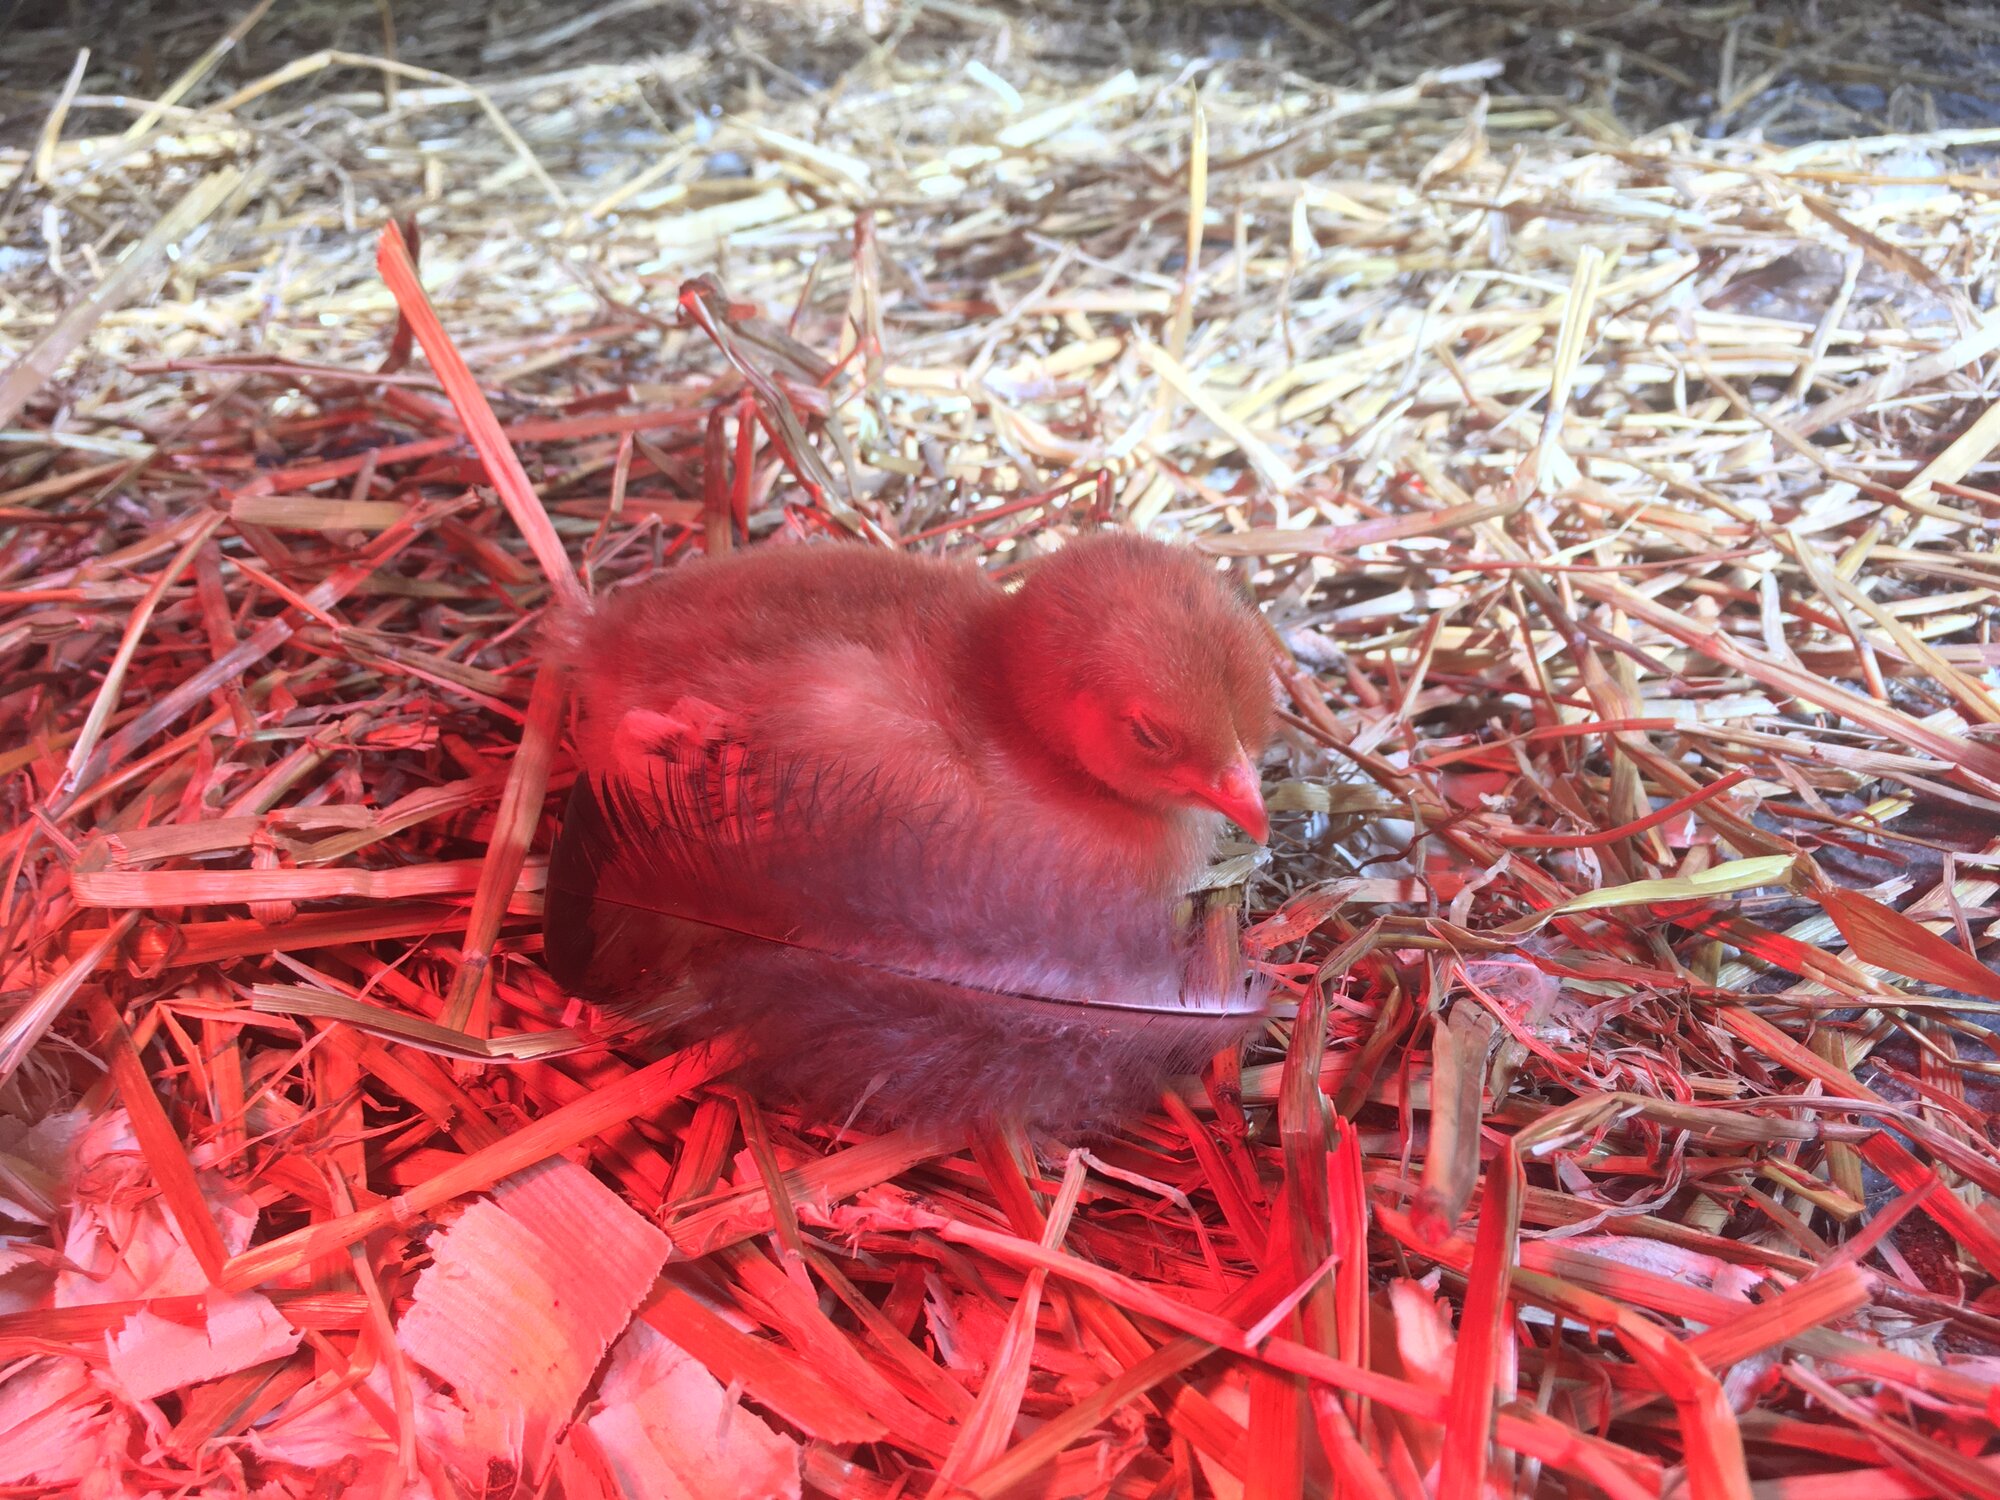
1599, 409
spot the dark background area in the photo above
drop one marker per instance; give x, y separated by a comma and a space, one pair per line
1797, 70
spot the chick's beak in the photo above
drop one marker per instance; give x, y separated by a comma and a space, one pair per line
1238, 794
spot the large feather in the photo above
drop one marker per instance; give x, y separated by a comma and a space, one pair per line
878, 944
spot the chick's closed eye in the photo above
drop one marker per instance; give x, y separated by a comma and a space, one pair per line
1152, 737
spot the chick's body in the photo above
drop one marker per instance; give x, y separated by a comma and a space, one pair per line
817, 805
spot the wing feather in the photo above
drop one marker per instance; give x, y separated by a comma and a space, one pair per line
872, 943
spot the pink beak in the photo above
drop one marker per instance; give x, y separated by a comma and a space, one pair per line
1238, 794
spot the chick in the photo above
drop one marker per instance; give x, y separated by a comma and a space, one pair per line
924, 840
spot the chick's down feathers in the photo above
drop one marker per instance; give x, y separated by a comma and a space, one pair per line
839, 799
